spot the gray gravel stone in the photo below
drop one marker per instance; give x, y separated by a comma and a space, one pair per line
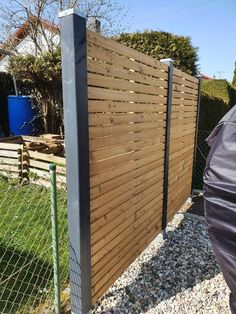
178, 275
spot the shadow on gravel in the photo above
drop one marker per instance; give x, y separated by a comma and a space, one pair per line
197, 206
184, 260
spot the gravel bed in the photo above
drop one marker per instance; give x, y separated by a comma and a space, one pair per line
178, 275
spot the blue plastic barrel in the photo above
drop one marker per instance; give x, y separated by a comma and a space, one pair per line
20, 113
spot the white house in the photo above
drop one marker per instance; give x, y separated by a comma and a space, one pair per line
25, 45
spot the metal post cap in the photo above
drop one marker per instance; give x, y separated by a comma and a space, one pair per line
52, 167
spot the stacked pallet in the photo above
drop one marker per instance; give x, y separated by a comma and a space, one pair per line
38, 166
12, 161
28, 157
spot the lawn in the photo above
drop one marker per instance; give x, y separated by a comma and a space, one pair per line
26, 265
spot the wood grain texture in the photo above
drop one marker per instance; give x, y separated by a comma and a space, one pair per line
127, 105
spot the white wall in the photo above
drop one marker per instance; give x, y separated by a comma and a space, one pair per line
27, 46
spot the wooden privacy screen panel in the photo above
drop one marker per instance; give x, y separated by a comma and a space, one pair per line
127, 99
118, 105
183, 126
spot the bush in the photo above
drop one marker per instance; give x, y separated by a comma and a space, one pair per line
218, 96
164, 45
7, 88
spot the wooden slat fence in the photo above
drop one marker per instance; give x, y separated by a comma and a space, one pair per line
127, 103
129, 121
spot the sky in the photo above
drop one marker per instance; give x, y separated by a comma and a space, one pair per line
210, 23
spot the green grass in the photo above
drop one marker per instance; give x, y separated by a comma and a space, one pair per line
26, 265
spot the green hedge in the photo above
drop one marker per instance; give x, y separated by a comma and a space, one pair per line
164, 45
218, 96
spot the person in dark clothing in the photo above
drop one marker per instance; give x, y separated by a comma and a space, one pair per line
220, 198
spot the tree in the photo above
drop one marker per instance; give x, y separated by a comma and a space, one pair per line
234, 77
34, 13
40, 76
164, 45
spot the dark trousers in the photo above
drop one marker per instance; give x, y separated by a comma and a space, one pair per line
222, 232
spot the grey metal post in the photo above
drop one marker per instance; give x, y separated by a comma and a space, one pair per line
75, 99
169, 62
55, 246
196, 131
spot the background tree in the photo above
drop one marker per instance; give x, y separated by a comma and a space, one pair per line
32, 13
234, 77
40, 76
164, 45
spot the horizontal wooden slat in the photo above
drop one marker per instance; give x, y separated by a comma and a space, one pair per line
124, 96
183, 108
10, 146
9, 153
45, 157
111, 118
184, 96
45, 166
184, 104
107, 106
9, 161
101, 131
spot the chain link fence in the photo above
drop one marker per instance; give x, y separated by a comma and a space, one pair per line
26, 253
201, 156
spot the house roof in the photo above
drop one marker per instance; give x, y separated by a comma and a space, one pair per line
205, 77
21, 33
